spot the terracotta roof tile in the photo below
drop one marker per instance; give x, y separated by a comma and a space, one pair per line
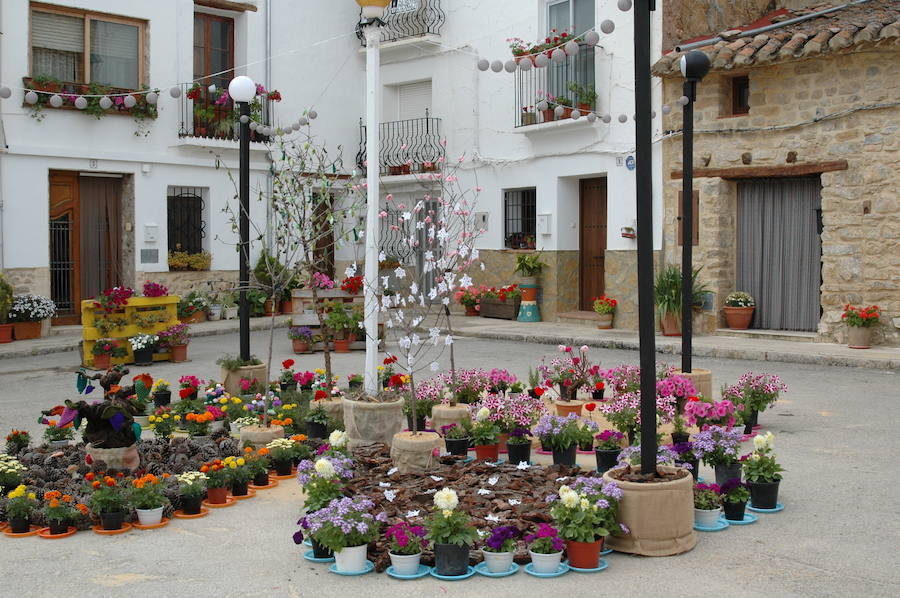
845, 30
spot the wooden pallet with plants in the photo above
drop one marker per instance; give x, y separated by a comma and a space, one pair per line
140, 315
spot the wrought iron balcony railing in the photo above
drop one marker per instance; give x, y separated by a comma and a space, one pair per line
205, 116
571, 83
409, 18
407, 146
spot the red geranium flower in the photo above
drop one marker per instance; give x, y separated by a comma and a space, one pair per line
320, 394
186, 392
539, 391
590, 406
287, 364
600, 385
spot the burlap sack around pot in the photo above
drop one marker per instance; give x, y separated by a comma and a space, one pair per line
260, 436
415, 452
126, 457
231, 380
444, 415
660, 516
371, 423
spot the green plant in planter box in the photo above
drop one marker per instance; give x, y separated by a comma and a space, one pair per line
484, 431
339, 319
667, 291
529, 264
583, 94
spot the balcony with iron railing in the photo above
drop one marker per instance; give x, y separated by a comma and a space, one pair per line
410, 146
570, 84
206, 115
405, 19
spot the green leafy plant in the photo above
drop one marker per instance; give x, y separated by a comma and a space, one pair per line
107, 496
20, 503
233, 362
761, 466
257, 300
484, 432
529, 264
667, 291
192, 484
583, 94
447, 525
106, 346
182, 260
706, 497
6, 299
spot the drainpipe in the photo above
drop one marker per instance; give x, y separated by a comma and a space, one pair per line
3, 150
270, 186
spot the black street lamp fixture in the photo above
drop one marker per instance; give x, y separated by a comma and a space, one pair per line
694, 66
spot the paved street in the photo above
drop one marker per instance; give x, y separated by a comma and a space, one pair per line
836, 434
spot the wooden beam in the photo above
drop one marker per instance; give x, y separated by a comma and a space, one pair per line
227, 5
756, 172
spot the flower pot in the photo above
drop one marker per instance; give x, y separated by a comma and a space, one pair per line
764, 495
58, 444
142, 420
420, 422
287, 306
597, 395
316, 430
299, 345
19, 525
162, 398
451, 559
230, 313
734, 511
259, 436
670, 325
679, 437
405, 564
457, 446
239, 488
529, 118
112, 521
584, 555
26, 330
150, 516
707, 517
752, 418
351, 559
548, 115
342, 345
604, 321
270, 308
564, 408
179, 353
287, 386
567, 113
738, 318
195, 318
370, 423
487, 452
191, 504
606, 458
471, 310
282, 467
217, 496
502, 440
319, 551
216, 426
143, 357
545, 563
498, 562
584, 108
565, 456
725, 473
58, 527
858, 337
695, 467
102, 362
261, 479
518, 452
6, 333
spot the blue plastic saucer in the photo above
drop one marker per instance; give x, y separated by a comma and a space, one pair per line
482, 569
422, 572
469, 573
603, 565
370, 566
778, 507
747, 520
563, 569
307, 542
700, 479
720, 525
606, 551
308, 555
469, 459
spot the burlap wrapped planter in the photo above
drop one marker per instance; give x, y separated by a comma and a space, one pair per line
660, 516
231, 380
414, 452
260, 436
371, 423
334, 408
125, 457
444, 415
702, 380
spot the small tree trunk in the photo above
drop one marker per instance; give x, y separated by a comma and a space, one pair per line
412, 403
326, 336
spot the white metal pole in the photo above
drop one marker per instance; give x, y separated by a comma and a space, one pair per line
373, 117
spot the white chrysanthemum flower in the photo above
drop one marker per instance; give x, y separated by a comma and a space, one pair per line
446, 499
483, 414
325, 469
338, 439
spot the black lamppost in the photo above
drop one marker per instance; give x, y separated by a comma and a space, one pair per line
694, 66
242, 90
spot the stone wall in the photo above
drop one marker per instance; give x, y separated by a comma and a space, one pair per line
621, 285
182, 283
860, 205
29, 280
687, 19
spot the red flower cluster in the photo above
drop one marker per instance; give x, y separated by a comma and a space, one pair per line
352, 285
320, 394
390, 359
861, 316
287, 364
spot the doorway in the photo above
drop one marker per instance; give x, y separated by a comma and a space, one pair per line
85, 240
592, 244
779, 251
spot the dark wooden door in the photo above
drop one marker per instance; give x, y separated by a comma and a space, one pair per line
592, 254
101, 239
65, 247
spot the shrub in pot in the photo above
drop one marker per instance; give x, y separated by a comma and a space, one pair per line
175, 339
609, 445
256, 463
191, 488
405, 543
586, 432
108, 500
282, 452
545, 548
707, 504
585, 513
317, 417
763, 473
147, 498
161, 393
19, 507
286, 379
457, 437
734, 499
451, 533
560, 434
605, 308
326, 526
56, 435
754, 393
667, 293
499, 548
518, 445
104, 350
485, 435
6, 298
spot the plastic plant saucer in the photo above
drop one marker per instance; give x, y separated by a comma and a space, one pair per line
163, 523
600, 567
370, 566
250, 494
98, 529
272, 476
309, 556
180, 514
272, 483
482, 569
421, 572
229, 502
581, 452
307, 542
778, 507
719, 526
747, 520
606, 551
44, 532
543, 452
468, 459
562, 570
32, 531
469, 573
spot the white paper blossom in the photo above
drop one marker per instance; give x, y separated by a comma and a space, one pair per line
381, 256
483, 491
400, 273
466, 281
436, 478
523, 465
434, 366
448, 340
384, 484
492, 517
350, 271
410, 514
446, 300
493, 480
392, 471
390, 495
514, 501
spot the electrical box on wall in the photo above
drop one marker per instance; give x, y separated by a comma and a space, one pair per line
481, 220
544, 224
151, 233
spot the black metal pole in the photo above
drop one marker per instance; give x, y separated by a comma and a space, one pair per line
644, 176
244, 230
687, 229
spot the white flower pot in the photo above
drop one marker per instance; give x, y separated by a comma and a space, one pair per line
214, 313
142, 420
546, 563
707, 517
56, 444
230, 313
405, 564
149, 516
351, 559
217, 426
498, 562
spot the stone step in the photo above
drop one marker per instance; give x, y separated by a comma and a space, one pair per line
588, 319
774, 335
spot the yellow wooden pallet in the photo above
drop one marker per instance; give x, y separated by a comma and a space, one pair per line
167, 306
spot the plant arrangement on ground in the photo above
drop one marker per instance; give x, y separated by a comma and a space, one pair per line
450, 532
323, 479
31, 308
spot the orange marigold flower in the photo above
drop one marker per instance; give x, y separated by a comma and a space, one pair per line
120, 475
138, 483
248, 449
89, 476
204, 469
110, 482
165, 476
82, 508
263, 451
66, 498
96, 484
54, 503
52, 494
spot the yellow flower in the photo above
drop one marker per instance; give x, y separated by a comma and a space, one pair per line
166, 416
19, 491
151, 419
240, 461
235, 400
320, 371
381, 368
224, 408
232, 465
32, 496
223, 400
152, 426
447, 512
178, 418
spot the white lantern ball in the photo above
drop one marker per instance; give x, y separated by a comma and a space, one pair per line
624, 5
653, 114
81, 103
591, 117
684, 101
558, 55
5, 92
497, 66
244, 119
510, 66
541, 60
592, 38
295, 126
666, 109
484, 64
129, 101
56, 101
242, 89
105, 103
576, 114
253, 125
607, 26
175, 91
525, 65
31, 97
211, 88
607, 118
623, 118
312, 114
152, 97
571, 47
558, 111
542, 105
303, 122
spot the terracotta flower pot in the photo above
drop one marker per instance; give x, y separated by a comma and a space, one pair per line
564, 408
670, 325
6, 333
102, 362
604, 321
487, 452
287, 306
584, 555
548, 115
179, 353
270, 307
27, 330
299, 345
471, 311
217, 496
342, 345
738, 318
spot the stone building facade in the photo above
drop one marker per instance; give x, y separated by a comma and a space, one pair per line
824, 101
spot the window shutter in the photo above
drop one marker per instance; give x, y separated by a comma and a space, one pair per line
413, 100
57, 32
696, 218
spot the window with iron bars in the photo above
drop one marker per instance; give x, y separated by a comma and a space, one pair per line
519, 218
186, 225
